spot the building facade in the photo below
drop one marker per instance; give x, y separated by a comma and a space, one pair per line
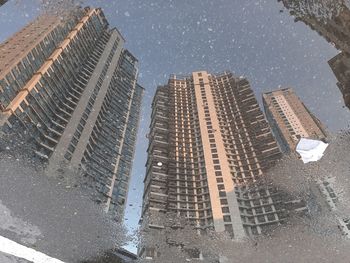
290, 120
71, 86
209, 143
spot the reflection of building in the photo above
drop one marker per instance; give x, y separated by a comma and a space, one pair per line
119, 255
331, 21
125, 255
340, 65
208, 136
72, 87
3, 2
335, 29
290, 119
327, 188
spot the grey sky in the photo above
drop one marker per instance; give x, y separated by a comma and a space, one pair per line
251, 38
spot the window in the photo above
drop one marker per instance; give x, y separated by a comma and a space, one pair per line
261, 219
221, 187
223, 201
218, 173
222, 194
229, 229
225, 209
227, 218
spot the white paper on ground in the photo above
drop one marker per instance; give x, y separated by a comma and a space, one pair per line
12, 248
311, 150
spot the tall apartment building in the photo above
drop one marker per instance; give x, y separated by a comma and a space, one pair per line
208, 139
73, 88
290, 119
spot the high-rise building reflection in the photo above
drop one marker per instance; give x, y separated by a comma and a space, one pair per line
70, 86
209, 144
290, 120
331, 19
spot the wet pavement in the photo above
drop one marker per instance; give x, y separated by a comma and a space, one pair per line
5, 258
50, 215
